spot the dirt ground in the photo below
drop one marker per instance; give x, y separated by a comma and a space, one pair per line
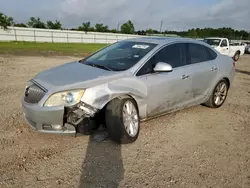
197, 147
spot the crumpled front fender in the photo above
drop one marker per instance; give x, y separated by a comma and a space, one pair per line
100, 95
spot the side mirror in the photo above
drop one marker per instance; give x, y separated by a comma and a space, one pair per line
163, 67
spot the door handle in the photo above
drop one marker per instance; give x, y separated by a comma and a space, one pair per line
214, 68
184, 76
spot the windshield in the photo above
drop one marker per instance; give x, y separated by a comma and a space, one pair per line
119, 56
212, 42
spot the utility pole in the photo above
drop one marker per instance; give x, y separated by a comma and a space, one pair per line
161, 26
118, 26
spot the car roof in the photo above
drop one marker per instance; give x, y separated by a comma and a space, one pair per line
163, 40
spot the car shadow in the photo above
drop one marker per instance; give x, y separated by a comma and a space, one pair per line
243, 72
102, 166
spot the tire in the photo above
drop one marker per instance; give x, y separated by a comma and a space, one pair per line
115, 121
212, 99
236, 56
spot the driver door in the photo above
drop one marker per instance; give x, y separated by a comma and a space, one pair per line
224, 47
167, 91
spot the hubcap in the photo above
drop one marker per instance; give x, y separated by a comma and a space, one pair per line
130, 118
220, 93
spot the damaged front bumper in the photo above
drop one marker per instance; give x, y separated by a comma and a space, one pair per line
57, 120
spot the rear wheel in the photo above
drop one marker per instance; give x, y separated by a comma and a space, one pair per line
236, 56
122, 120
219, 95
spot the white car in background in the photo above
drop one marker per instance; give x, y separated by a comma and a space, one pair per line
247, 47
223, 46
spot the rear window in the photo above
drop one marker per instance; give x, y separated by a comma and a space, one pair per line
213, 42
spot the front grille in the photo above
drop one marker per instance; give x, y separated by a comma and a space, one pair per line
33, 94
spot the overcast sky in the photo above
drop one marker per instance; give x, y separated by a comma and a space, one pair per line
175, 14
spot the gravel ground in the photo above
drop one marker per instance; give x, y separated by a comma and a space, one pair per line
197, 147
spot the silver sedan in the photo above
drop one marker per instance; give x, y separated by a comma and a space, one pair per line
125, 83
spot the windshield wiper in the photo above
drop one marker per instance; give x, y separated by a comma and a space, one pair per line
100, 66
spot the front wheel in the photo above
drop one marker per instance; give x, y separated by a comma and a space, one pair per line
219, 95
122, 120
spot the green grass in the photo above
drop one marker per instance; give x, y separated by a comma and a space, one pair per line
32, 48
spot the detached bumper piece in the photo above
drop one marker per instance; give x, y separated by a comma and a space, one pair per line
79, 112
82, 116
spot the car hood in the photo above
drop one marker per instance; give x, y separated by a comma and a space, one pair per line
74, 75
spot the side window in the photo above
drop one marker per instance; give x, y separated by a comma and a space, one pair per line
224, 43
173, 54
197, 53
212, 54
147, 67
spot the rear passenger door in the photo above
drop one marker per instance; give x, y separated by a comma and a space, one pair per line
204, 71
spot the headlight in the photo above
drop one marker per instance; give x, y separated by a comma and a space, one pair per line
66, 98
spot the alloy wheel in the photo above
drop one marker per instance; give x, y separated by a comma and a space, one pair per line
130, 118
220, 93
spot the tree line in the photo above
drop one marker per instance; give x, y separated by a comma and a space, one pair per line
126, 28
6, 21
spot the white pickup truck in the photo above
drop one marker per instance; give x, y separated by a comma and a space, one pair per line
226, 48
